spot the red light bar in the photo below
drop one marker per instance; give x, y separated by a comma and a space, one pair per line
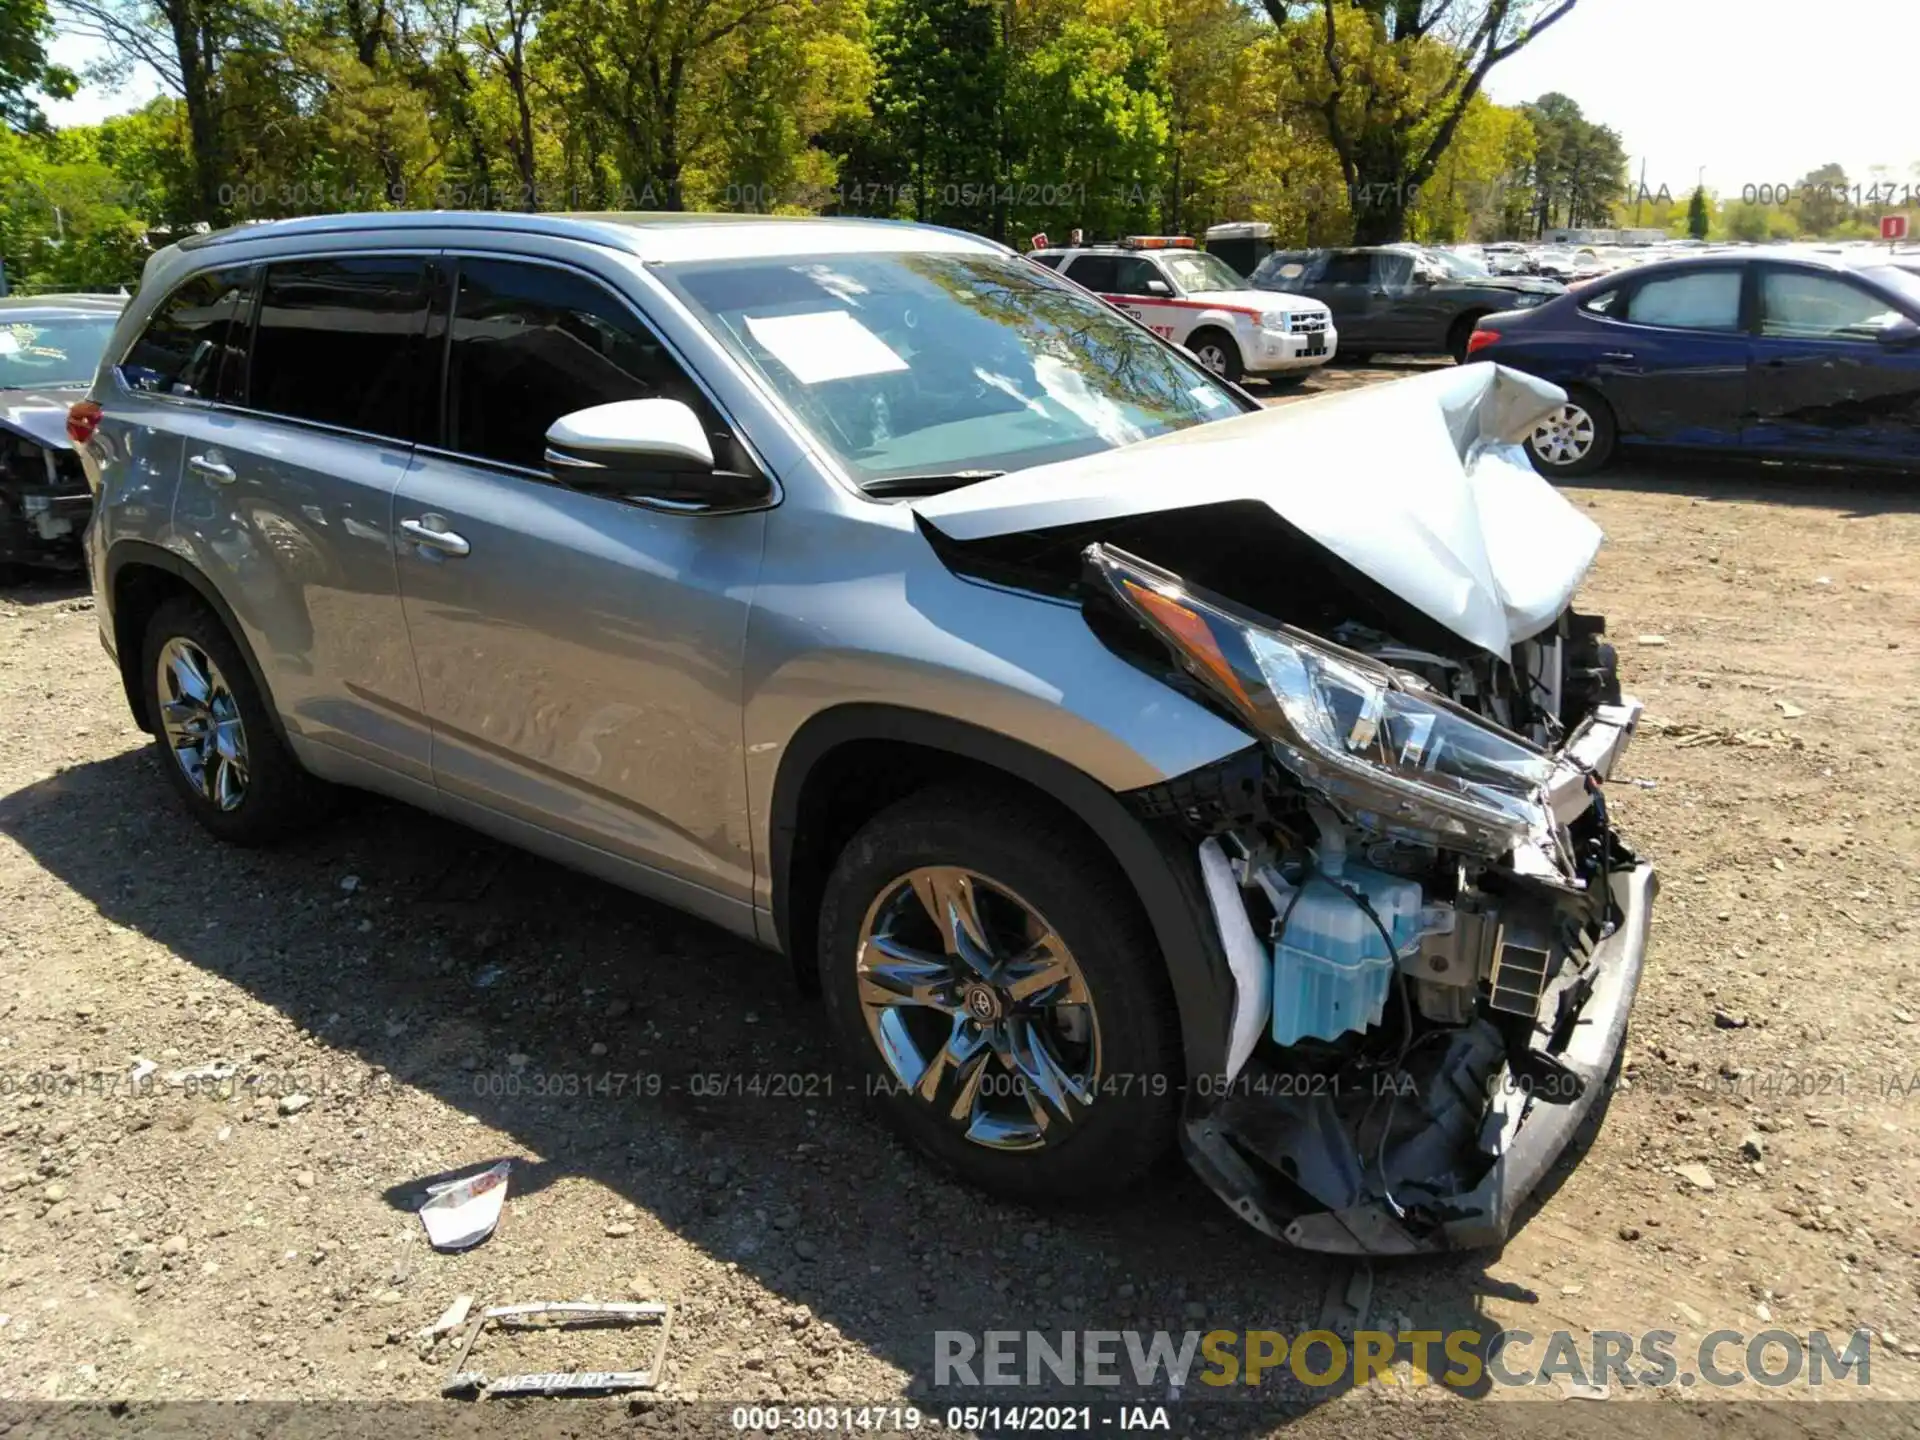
1159, 242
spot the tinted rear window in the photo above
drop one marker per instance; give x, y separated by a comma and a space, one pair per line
195, 344
341, 342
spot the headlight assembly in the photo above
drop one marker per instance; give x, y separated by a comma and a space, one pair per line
1277, 321
1401, 759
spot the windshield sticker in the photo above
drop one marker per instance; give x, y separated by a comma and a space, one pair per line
1208, 396
824, 345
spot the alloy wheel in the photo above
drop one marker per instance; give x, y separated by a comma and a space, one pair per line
1564, 437
978, 1008
202, 722
1213, 357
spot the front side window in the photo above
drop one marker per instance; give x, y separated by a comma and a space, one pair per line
1392, 270
914, 365
531, 343
342, 342
195, 343
1348, 267
1134, 276
1797, 305
1703, 300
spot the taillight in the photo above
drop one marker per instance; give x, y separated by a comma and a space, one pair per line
82, 420
1480, 339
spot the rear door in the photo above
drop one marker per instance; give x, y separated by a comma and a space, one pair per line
287, 495
579, 654
1823, 385
1671, 357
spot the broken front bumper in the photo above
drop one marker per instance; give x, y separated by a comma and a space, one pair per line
1222, 1143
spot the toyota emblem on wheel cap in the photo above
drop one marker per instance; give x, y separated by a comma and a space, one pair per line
982, 1003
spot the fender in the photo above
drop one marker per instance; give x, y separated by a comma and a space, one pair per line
143, 552
1163, 872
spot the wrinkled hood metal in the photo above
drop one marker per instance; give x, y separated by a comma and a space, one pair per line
40, 415
1420, 484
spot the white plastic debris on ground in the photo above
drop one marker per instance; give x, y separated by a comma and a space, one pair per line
462, 1213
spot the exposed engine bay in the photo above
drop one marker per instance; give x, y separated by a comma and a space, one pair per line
44, 504
1415, 879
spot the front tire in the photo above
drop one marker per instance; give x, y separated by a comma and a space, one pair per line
219, 748
990, 978
1218, 351
1575, 440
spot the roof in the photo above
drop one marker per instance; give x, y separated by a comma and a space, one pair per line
652, 235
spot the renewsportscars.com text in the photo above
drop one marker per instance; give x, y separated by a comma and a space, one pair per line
1457, 1359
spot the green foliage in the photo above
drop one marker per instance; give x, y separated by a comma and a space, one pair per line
998, 116
1699, 219
1579, 171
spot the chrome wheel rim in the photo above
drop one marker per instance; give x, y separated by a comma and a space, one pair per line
202, 722
1564, 437
1213, 357
978, 1008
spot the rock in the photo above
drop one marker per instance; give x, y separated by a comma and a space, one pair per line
597, 1049
1629, 1232
806, 1249
54, 1193
174, 1245
1695, 1175
349, 883
107, 1204
619, 1230
293, 1104
786, 1220
304, 1179
143, 1284
1726, 1020
618, 1009
1653, 639
1753, 1147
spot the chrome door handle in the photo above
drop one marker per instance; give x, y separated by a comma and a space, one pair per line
1616, 355
431, 531
212, 469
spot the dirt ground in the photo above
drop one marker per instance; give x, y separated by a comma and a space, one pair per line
401, 997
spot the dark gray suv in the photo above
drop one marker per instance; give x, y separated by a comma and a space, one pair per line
1402, 299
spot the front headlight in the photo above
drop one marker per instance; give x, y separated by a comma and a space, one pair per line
1275, 320
1526, 300
1401, 759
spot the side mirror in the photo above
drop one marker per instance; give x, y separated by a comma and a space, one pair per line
1900, 334
652, 452
1159, 287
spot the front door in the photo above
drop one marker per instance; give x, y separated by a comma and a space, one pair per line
1823, 384
579, 654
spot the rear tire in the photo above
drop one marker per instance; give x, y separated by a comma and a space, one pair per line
218, 745
1101, 1036
1218, 351
1576, 440
1460, 333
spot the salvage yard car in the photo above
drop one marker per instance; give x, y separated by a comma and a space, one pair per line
1199, 301
50, 347
1124, 762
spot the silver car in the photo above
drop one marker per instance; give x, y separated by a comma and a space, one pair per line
1123, 763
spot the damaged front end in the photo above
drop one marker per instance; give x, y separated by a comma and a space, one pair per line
1433, 930
1435, 933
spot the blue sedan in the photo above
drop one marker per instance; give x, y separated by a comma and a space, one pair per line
1774, 356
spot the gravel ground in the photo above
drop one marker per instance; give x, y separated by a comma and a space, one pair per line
401, 997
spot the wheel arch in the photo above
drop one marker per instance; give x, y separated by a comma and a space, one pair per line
140, 578
847, 763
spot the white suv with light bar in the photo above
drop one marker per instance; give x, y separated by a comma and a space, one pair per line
1199, 301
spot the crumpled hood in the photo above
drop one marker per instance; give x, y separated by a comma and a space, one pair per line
1420, 484
1523, 284
40, 415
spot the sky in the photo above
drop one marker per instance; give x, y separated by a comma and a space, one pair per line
1742, 92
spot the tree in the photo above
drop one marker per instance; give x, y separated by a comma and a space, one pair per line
1579, 168
1392, 82
1820, 201
1699, 219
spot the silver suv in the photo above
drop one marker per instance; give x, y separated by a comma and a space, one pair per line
1121, 761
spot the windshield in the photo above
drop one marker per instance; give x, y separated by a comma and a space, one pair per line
1899, 279
939, 364
1198, 270
1458, 266
60, 350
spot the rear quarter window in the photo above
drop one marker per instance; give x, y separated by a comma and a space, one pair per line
195, 343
